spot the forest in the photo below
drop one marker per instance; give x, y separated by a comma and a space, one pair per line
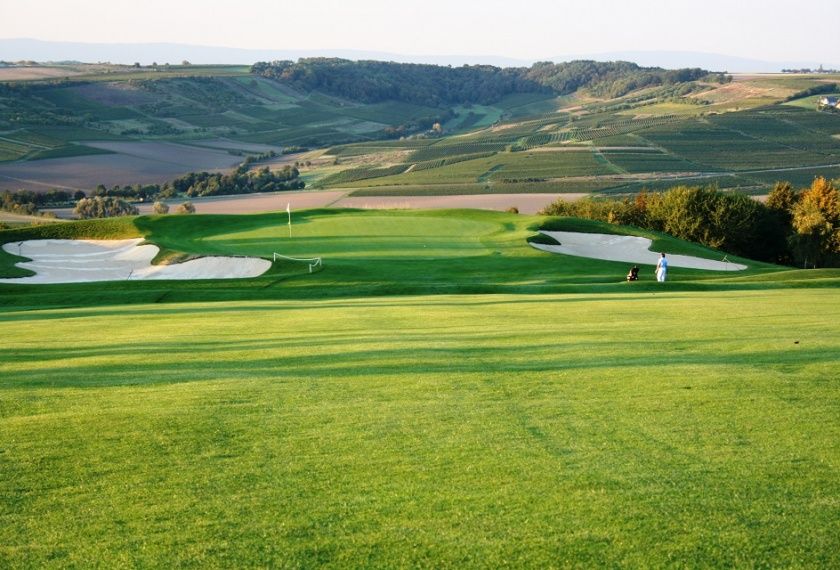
434, 85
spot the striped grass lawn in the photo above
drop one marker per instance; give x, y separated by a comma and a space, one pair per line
653, 428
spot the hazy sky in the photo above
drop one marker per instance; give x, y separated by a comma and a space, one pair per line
527, 29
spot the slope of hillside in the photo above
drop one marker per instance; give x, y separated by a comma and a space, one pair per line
502, 131
745, 135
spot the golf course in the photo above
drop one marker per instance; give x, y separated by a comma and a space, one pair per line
439, 393
351, 308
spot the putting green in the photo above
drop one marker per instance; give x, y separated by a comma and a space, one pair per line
394, 235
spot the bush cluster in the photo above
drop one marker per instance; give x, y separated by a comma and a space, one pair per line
239, 182
103, 207
29, 202
730, 222
800, 227
186, 208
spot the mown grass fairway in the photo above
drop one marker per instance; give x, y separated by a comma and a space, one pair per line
365, 416
636, 429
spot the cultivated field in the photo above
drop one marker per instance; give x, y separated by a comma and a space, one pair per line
189, 103
439, 394
27, 73
743, 135
123, 163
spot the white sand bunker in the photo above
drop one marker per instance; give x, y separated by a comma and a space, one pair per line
631, 249
78, 261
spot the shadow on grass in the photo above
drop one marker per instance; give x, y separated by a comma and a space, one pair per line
407, 356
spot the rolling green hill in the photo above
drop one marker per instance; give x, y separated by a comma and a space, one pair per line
188, 102
440, 394
596, 148
540, 131
38, 116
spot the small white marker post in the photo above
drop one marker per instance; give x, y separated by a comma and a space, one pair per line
289, 211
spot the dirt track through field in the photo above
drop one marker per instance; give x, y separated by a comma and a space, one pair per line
24, 219
525, 203
255, 203
28, 73
275, 202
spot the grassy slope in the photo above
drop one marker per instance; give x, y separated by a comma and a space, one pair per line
761, 137
640, 429
625, 425
201, 101
751, 140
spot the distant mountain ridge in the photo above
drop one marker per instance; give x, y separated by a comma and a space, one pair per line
17, 49
44, 51
710, 61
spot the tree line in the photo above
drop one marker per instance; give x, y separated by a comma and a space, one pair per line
608, 79
109, 207
106, 202
114, 201
794, 227
29, 202
240, 181
436, 85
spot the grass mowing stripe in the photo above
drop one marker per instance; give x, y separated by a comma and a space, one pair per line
634, 429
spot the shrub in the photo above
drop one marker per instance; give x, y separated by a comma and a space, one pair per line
186, 208
160, 208
103, 207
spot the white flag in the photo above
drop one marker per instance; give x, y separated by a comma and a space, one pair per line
288, 208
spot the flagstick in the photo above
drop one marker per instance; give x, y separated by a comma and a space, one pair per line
289, 211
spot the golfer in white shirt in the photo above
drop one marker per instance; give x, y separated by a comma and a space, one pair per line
662, 269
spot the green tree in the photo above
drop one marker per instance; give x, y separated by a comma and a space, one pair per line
103, 207
782, 198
